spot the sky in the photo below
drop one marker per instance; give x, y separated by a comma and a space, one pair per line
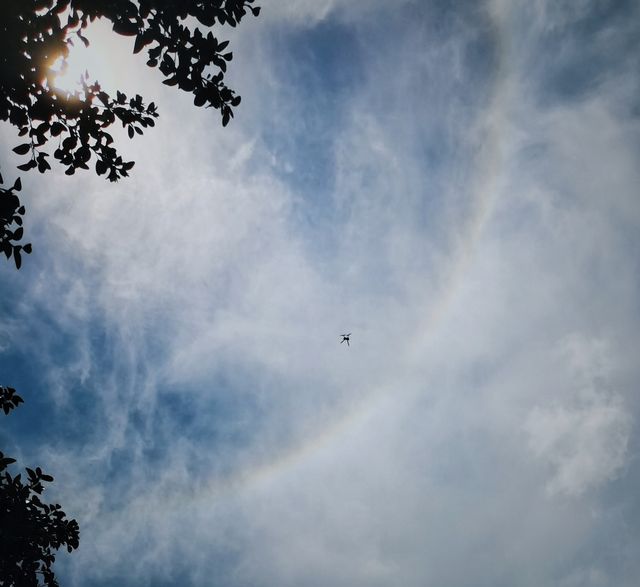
454, 183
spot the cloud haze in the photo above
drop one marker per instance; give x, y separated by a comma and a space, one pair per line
455, 186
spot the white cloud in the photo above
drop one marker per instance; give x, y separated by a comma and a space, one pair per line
584, 434
472, 234
307, 13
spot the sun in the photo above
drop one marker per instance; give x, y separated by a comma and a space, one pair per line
67, 72
98, 60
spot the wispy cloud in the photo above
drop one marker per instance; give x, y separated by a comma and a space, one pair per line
469, 219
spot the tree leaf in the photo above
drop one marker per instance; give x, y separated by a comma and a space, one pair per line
141, 41
17, 257
43, 166
169, 61
125, 27
22, 149
69, 143
4, 461
101, 167
28, 165
57, 128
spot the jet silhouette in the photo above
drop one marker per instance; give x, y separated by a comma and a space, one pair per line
345, 338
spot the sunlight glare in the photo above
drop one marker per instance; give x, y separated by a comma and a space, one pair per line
81, 59
97, 59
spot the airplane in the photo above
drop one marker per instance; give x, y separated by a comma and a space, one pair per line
345, 338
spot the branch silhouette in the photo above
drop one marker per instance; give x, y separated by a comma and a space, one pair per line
30, 530
35, 34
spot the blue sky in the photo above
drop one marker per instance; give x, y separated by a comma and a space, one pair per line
454, 183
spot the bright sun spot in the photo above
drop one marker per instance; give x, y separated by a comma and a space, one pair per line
98, 59
81, 59
108, 59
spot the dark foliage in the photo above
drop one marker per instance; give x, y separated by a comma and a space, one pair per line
34, 34
30, 530
11, 212
9, 399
